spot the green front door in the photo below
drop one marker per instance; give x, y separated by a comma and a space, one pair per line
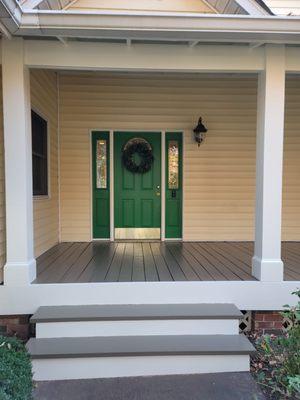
137, 196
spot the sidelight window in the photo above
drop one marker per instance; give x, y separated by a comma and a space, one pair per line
101, 164
173, 164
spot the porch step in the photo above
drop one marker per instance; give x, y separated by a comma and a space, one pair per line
143, 319
99, 357
98, 341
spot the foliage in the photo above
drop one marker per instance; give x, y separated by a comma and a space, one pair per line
277, 363
143, 149
15, 370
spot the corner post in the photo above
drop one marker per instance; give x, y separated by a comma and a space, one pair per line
20, 268
266, 263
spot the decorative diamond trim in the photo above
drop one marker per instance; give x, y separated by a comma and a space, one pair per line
245, 322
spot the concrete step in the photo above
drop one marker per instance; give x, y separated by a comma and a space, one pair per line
143, 319
103, 357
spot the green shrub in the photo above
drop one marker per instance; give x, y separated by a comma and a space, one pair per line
278, 358
15, 370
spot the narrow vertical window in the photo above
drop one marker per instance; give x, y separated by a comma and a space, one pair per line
39, 155
101, 161
173, 164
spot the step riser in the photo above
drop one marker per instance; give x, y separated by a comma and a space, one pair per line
136, 328
111, 367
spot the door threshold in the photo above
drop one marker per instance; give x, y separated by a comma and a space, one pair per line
138, 240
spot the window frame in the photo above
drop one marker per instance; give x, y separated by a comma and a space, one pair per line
48, 195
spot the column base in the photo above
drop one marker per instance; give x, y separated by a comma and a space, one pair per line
19, 274
267, 270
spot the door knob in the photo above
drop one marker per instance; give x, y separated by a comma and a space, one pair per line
157, 190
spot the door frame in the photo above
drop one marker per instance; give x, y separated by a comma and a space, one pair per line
111, 181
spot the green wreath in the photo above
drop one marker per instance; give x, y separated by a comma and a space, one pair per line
143, 149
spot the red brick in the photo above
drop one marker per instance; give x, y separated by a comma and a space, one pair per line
264, 324
24, 319
267, 321
15, 325
21, 331
278, 325
258, 316
273, 317
9, 320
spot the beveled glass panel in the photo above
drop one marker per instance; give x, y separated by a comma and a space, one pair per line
173, 166
101, 164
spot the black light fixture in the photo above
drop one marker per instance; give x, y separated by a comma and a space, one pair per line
199, 132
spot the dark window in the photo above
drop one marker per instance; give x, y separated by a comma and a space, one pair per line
39, 155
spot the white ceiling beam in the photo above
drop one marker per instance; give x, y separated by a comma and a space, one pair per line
103, 56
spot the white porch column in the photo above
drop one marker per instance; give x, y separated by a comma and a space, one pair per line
20, 267
267, 264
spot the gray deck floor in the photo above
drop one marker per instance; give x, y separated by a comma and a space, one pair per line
155, 261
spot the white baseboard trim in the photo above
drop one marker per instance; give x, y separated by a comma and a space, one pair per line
246, 295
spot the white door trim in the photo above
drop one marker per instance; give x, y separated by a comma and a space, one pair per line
163, 187
111, 186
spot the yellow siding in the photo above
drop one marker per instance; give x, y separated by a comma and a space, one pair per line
196, 6
219, 177
46, 215
2, 200
291, 176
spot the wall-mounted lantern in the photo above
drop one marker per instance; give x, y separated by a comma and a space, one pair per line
199, 132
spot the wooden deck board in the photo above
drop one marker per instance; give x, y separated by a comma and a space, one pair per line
113, 273
127, 263
151, 273
156, 261
162, 268
138, 270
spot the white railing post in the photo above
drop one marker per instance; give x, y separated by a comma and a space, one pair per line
267, 264
20, 268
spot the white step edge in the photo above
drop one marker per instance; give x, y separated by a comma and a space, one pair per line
112, 367
137, 328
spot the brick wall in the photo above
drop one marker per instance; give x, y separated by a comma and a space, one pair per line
15, 325
267, 322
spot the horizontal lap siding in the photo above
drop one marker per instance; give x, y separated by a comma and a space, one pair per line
291, 175
219, 177
2, 193
46, 215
